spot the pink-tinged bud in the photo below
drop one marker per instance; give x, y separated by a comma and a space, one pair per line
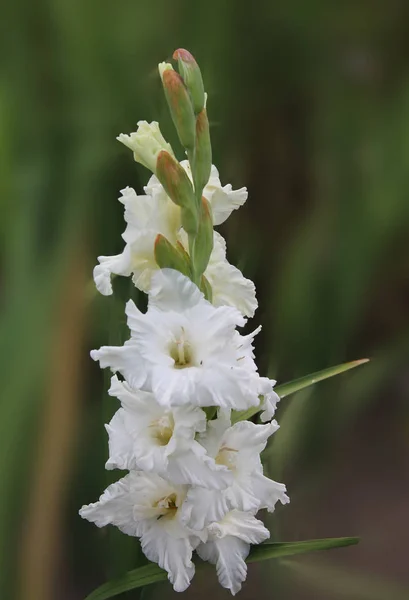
181, 108
169, 257
203, 243
203, 153
192, 76
179, 188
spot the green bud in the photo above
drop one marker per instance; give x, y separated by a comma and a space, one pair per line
167, 256
179, 188
203, 243
180, 105
203, 153
192, 76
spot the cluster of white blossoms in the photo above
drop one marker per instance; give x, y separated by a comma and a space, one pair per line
195, 480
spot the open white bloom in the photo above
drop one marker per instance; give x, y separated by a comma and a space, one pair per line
147, 216
146, 506
144, 435
146, 143
185, 350
238, 447
228, 546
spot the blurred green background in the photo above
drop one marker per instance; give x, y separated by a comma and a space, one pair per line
309, 108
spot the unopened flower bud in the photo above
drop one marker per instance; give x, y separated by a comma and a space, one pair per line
192, 76
163, 66
203, 153
203, 243
146, 143
179, 188
167, 256
180, 105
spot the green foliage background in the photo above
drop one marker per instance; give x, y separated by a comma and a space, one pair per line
309, 107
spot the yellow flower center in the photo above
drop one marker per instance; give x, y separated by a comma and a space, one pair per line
181, 352
168, 506
227, 457
162, 429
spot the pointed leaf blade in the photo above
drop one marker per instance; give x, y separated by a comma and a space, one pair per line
153, 574
298, 384
278, 549
130, 581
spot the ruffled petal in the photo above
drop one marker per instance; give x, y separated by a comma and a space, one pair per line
120, 444
231, 288
229, 544
268, 492
270, 398
114, 507
193, 466
229, 555
124, 359
121, 264
172, 291
170, 553
202, 507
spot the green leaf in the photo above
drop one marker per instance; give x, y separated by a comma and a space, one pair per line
153, 574
133, 579
277, 549
298, 384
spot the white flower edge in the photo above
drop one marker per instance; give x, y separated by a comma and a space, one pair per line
238, 447
144, 435
146, 506
220, 370
146, 143
229, 544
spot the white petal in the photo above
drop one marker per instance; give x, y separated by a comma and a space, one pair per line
228, 554
125, 359
268, 492
231, 288
119, 265
115, 507
171, 290
216, 428
240, 524
249, 439
120, 444
223, 199
229, 545
202, 507
270, 399
193, 466
174, 554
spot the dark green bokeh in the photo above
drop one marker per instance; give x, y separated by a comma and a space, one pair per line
309, 107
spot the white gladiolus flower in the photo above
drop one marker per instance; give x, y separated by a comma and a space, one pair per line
144, 435
146, 143
146, 506
185, 350
146, 217
228, 546
238, 447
